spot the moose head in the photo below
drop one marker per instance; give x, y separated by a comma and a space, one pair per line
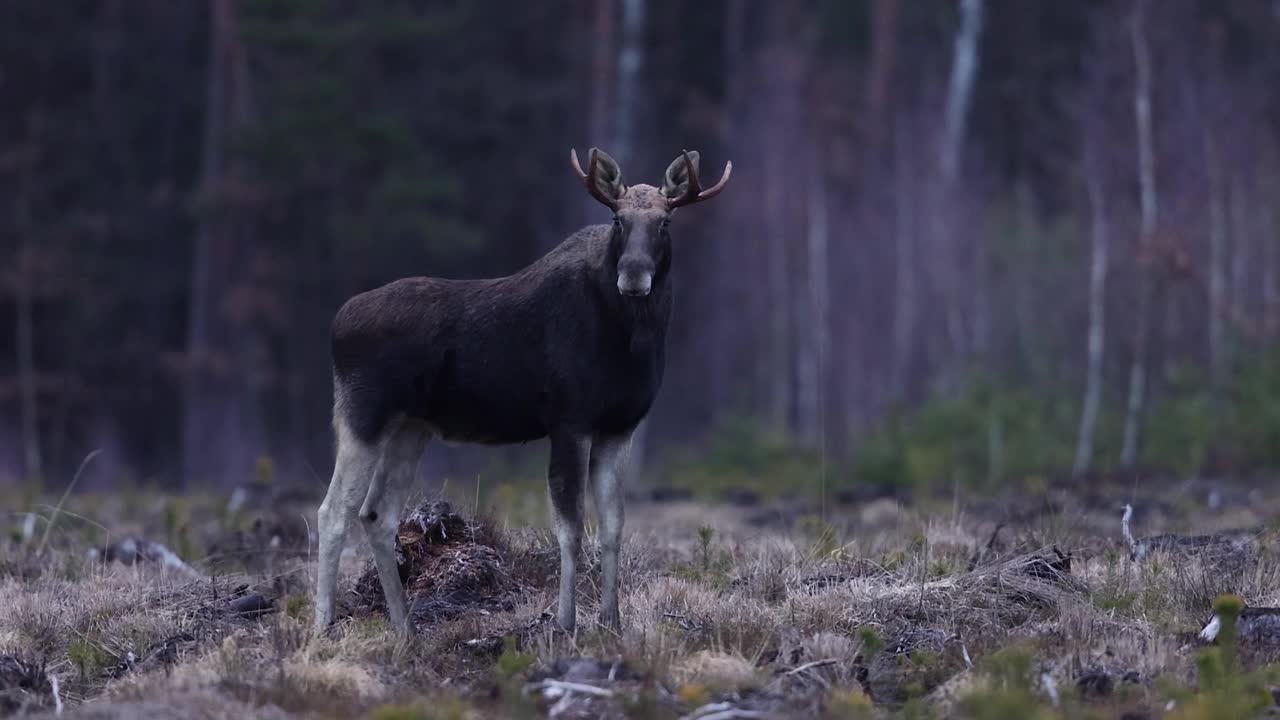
640, 242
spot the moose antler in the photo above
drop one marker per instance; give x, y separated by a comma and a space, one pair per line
588, 178
694, 192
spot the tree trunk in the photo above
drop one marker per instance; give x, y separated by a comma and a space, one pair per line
1136, 405
1270, 258
906, 277
884, 45
1217, 259
1097, 315
630, 61
1239, 254
199, 419
964, 70
948, 254
29, 414
779, 287
811, 364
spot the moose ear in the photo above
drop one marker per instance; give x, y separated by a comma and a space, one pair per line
608, 176
676, 182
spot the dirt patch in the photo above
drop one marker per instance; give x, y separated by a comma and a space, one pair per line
449, 566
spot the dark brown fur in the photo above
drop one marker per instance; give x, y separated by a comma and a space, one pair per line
506, 360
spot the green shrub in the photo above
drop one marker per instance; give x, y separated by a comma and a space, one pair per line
985, 434
742, 454
980, 435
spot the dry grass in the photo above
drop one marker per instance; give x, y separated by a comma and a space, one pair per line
802, 618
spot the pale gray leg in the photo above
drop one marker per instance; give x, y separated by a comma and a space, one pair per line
566, 478
399, 463
353, 467
608, 466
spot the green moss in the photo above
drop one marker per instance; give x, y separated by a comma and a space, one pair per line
88, 657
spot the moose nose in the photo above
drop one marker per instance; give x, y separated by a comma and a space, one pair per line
637, 285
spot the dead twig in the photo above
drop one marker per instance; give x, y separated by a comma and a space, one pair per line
557, 688
811, 665
722, 711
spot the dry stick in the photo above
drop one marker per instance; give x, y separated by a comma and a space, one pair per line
65, 494
811, 665
722, 711
565, 686
980, 554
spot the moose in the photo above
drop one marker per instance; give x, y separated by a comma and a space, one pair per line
571, 348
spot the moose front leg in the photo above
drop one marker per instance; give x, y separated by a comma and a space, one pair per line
608, 464
566, 479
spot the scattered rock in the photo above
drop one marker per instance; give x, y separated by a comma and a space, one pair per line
252, 605
1095, 683
133, 550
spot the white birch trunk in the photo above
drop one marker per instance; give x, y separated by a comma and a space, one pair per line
964, 70
1136, 405
1098, 262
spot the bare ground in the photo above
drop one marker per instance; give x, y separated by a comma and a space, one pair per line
772, 610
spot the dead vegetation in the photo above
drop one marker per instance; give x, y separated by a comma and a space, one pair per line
722, 620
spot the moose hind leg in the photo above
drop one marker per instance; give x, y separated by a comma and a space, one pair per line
353, 467
566, 480
382, 519
608, 464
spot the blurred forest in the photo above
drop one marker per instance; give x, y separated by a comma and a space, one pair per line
966, 240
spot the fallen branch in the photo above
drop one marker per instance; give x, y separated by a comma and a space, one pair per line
723, 711
556, 688
811, 665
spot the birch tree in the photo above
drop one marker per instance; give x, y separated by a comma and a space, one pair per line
812, 362
1138, 370
1099, 250
964, 72
24, 325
